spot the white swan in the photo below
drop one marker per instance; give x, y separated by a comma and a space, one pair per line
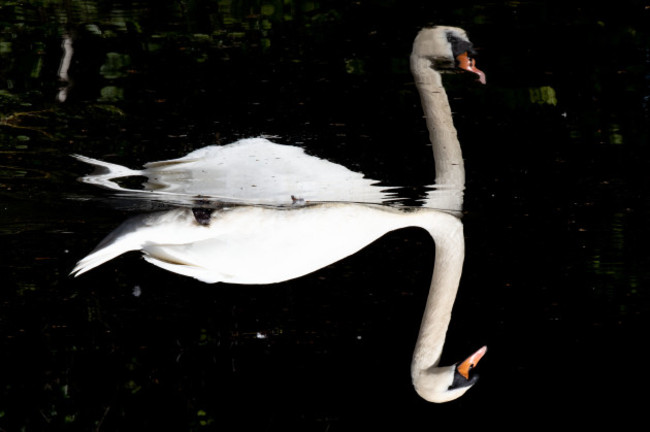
261, 245
257, 244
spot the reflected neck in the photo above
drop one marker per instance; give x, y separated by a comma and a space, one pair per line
450, 169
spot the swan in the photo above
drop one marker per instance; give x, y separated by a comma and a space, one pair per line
255, 244
263, 244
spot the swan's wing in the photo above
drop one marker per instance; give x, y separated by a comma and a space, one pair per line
183, 259
185, 269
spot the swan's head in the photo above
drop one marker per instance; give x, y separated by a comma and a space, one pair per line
448, 48
444, 384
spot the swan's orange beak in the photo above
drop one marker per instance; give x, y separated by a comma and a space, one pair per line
469, 64
470, 362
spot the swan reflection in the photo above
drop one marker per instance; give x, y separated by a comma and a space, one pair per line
255, 212
248, 171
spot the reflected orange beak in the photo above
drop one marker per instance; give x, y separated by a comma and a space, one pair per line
469, 64
470, 362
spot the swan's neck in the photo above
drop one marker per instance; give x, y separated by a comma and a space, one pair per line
450, 170
449, 255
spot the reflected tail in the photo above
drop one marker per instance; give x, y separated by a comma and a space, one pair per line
105, 172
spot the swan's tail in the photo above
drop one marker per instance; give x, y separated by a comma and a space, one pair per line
127, 237
97, 258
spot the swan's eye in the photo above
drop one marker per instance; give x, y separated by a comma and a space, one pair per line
459, 46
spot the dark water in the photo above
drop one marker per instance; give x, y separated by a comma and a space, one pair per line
556, 274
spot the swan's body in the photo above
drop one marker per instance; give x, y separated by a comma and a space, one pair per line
262, 245
255, 245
